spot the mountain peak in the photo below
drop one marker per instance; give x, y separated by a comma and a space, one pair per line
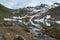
57, 3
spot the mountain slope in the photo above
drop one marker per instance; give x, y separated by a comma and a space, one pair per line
31, 17
55, 13
4, 11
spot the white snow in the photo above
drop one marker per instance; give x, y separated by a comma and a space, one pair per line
57, 22
8, 19
48, 16
48, 24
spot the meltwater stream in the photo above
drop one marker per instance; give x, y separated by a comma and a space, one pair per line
34, 26
33, 23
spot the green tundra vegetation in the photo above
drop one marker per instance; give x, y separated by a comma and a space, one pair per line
55, 32
18, 38
4, 12
54, 29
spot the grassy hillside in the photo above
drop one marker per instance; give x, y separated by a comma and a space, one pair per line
4, 11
